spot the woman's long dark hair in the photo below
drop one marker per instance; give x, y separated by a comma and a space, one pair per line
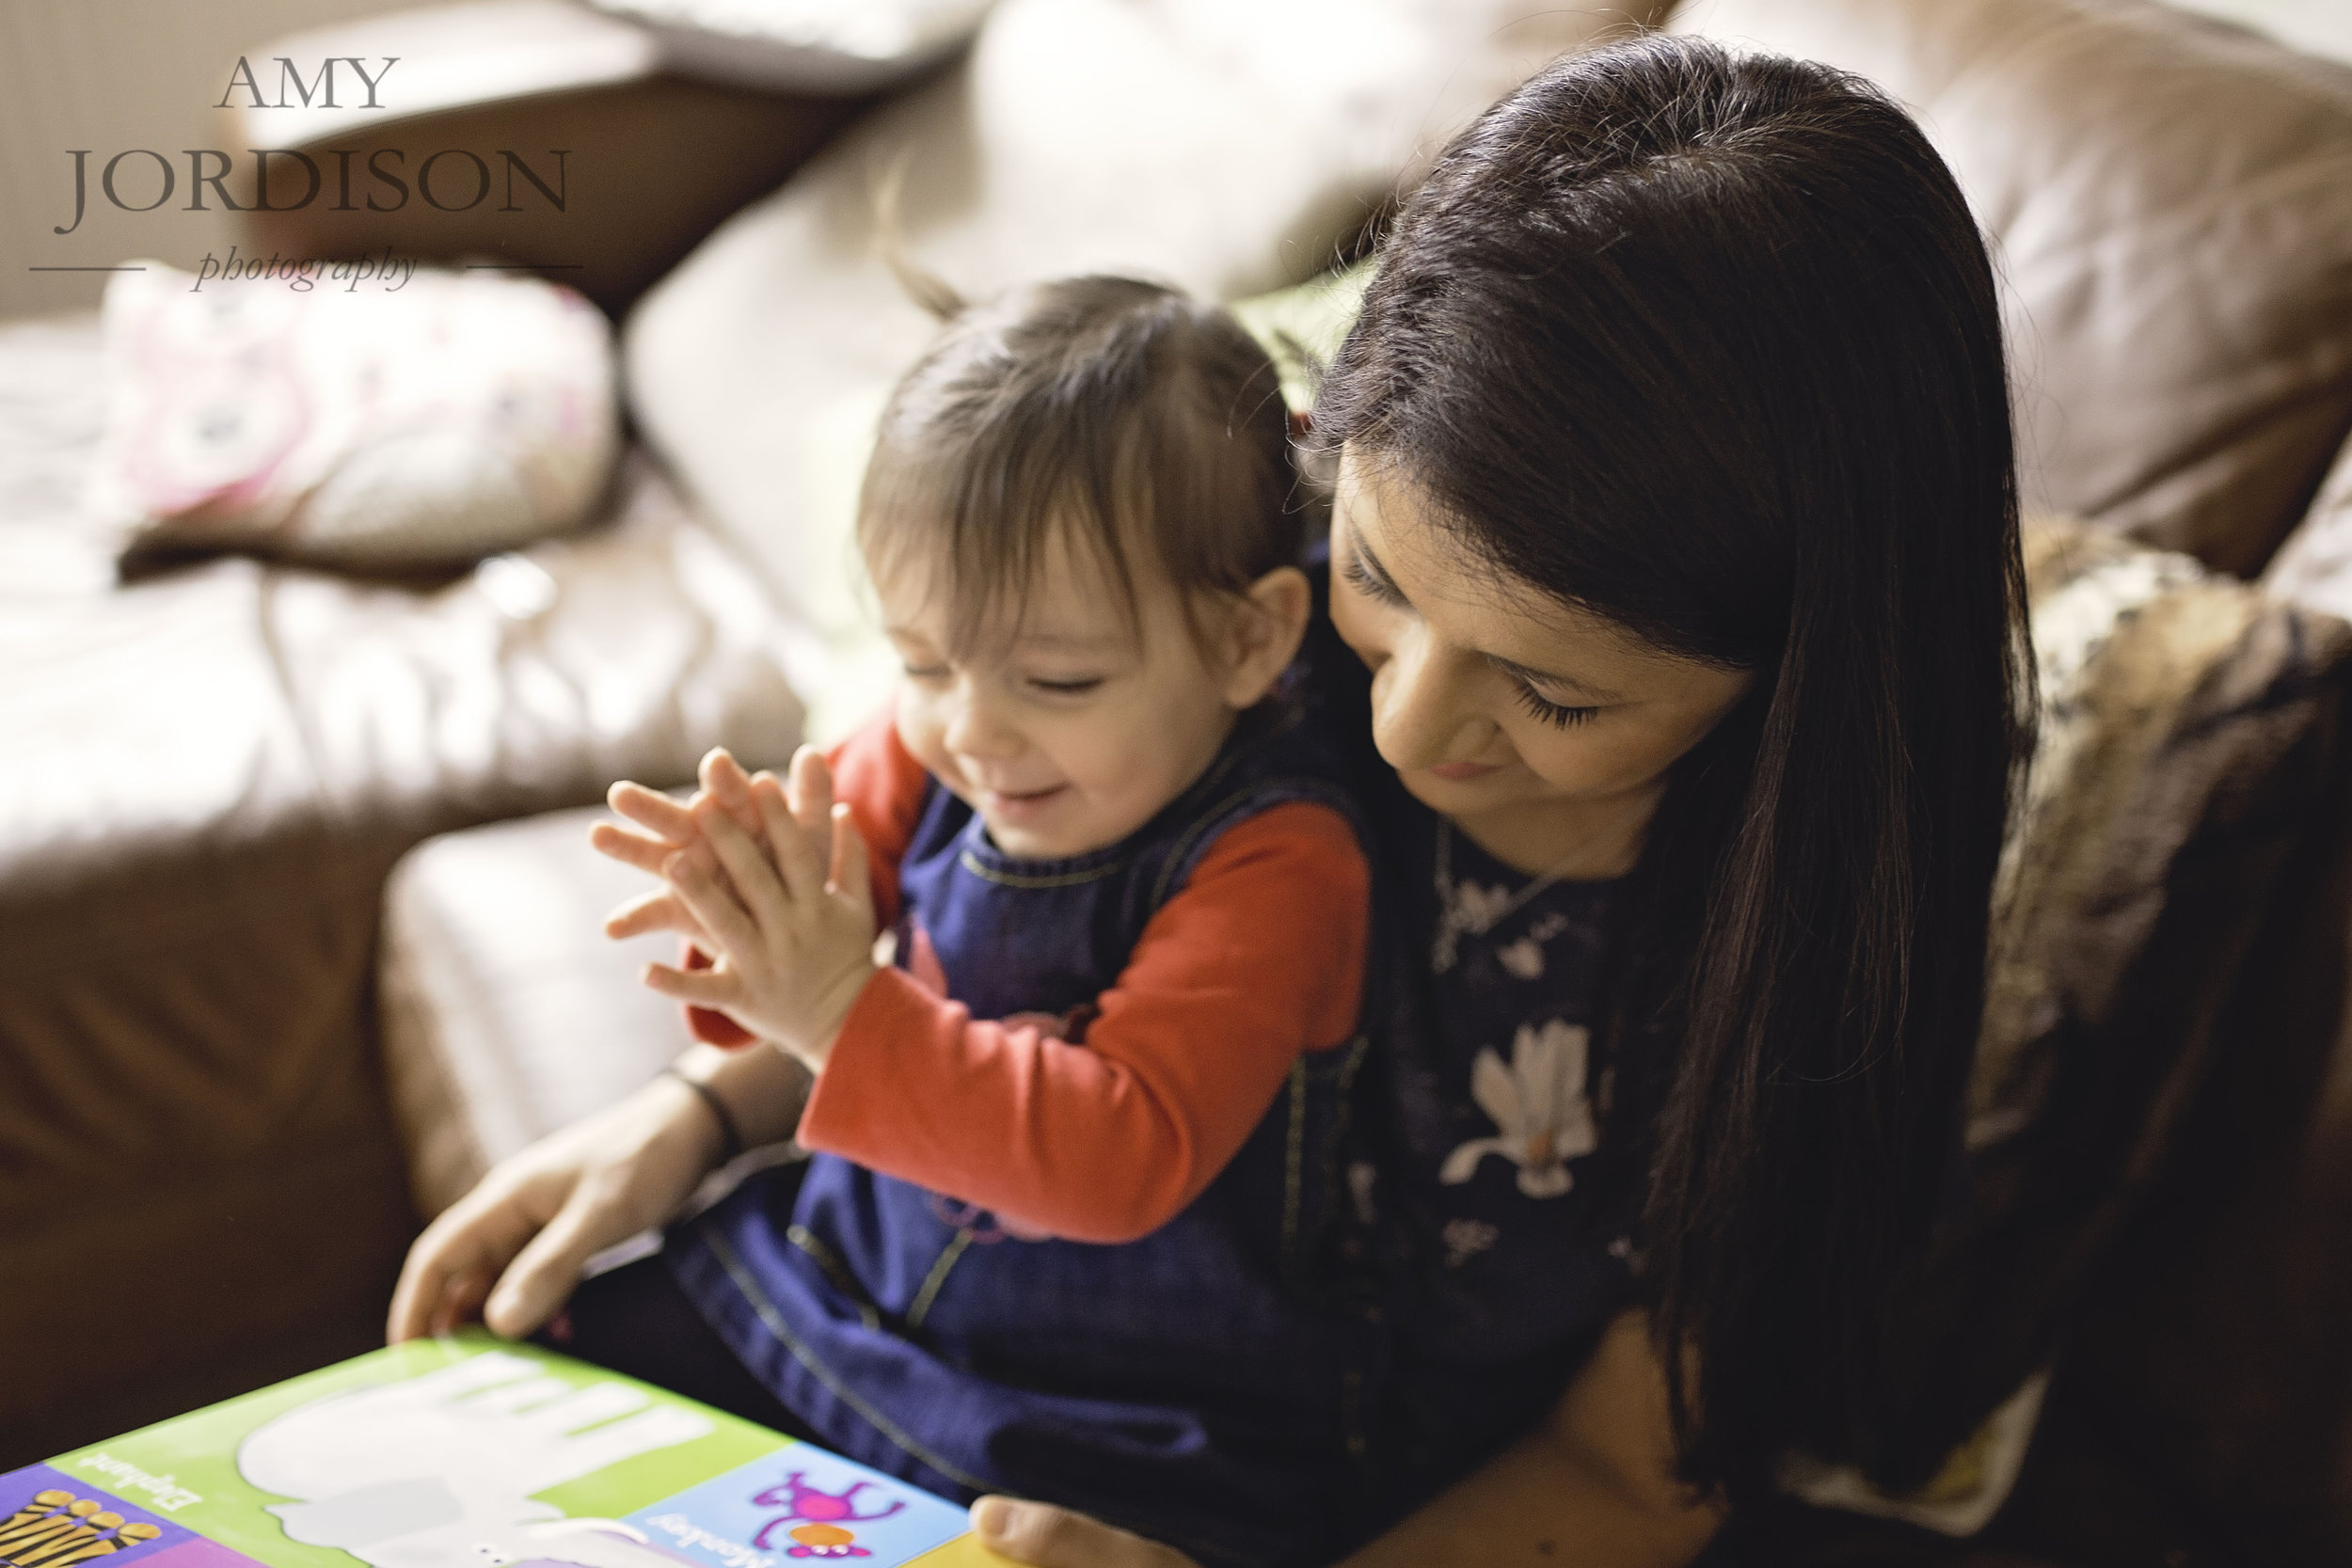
1708, 344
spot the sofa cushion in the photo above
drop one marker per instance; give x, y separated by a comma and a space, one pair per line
860, 48
2315, 566
2169, 202
638, 162
1225, 146
503, 1009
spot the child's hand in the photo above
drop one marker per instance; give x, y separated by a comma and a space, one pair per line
791, 922
670, 827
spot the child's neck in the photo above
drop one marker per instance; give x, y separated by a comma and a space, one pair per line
1222, 735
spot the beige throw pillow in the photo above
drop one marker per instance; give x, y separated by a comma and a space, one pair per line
456, 415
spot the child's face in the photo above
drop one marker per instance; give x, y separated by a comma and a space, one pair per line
1526, 720
1072, 729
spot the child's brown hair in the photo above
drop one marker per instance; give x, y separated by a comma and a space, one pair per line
1149, 425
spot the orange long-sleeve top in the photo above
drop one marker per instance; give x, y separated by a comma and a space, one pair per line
1259, 958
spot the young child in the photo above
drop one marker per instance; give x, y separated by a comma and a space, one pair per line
1068, 1230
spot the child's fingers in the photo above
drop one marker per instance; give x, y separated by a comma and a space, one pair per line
748, 867
725, 779
703, 988
636, 849
651, 809
694, 875
810, 794
658, 910
852, 865
798, 860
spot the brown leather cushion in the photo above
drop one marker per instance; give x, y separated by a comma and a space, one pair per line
2171, 202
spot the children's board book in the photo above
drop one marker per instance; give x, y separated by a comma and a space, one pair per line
467, 1452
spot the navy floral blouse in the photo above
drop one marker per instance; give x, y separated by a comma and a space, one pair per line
1505, 1152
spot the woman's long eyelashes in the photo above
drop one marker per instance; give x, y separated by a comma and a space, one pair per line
1558, 715
1359, 578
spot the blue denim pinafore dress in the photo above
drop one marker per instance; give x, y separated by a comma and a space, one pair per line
1205, 1385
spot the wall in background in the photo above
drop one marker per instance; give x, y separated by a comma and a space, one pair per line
111, 75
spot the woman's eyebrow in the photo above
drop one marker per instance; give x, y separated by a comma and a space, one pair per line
1544, 677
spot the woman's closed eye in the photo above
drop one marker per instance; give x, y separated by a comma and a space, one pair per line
1371, 584
1560, 715
1065, 686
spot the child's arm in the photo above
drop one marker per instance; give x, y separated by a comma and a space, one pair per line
1260, 958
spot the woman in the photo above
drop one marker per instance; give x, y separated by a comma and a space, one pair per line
1676, 524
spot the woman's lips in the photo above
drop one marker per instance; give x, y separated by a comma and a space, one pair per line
1457, 771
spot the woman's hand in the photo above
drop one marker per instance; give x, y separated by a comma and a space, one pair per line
511, 1250
1044, 1536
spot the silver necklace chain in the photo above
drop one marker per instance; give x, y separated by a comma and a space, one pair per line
1454, 920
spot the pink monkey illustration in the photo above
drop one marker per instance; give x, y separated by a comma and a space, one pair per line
805, 1502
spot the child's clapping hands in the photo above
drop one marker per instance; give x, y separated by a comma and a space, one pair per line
769, 878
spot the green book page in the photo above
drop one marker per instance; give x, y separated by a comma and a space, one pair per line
471, 1453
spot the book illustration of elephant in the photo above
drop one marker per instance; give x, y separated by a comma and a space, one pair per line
439, 1471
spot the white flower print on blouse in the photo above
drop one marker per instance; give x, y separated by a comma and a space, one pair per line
1542, 1115
1468, 910
1466, 1239
1524, 958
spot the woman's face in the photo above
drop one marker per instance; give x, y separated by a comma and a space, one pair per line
1530, 723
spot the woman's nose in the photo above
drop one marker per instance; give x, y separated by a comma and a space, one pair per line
1422, 713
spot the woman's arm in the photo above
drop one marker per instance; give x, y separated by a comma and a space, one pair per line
1594, 1487
510, 1251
